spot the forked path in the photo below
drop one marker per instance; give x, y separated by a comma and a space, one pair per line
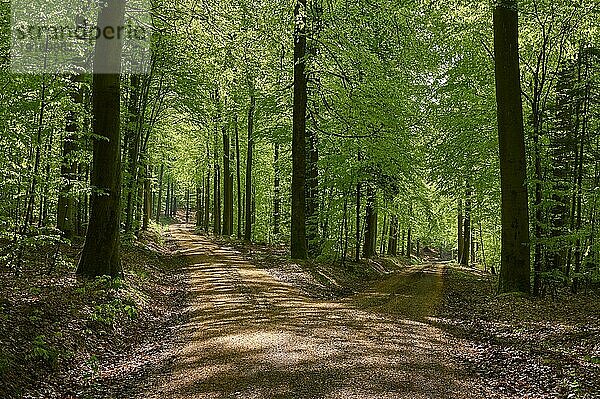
250, 335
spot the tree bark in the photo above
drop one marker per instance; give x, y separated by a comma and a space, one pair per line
239, 180
298, 246
248, 188
101, 251
515, 257
466, 250
65, 218
370, 224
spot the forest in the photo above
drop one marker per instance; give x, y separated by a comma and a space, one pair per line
300, 199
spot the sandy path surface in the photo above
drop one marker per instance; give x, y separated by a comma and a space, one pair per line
250, 335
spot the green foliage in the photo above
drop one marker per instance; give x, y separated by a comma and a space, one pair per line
43, 352
109, 313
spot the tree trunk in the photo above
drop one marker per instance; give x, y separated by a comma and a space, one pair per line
248, 188
515, 257
276, 194
101, 251
358, 200
370, 224
393, 239
409, 243
160, 193
298, 223
207, 201
147, 214
68, 170
466, 250
227, 187
239, 180
460, 238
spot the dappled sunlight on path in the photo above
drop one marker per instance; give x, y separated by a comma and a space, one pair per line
249, 335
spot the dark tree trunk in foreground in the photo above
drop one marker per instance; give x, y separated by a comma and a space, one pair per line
298, 225
101, 252
515, 257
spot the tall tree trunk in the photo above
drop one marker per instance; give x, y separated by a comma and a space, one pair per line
199, 210
239, 179
460, 238
466, 252
160, 193
68, 170
358, 201
579, 187
409, 243
370, 224
101, 251
276, 194
147, 213
36, 163
299, 248
248, 188
207, 201
134, 151
227, 194
393, 239
312, 201
515, 257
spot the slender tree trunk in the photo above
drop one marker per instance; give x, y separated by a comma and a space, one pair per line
199, 210
460, 238
207, 201
466, 253
370, 224
358, 201
160, 193
276, 194
393, 239
248, 188
409, 243
515, 257
68, 171
36, 163
345, 230
298, 223
227, 187
239, 180
101, 251
134, 151
147, 214
584, 133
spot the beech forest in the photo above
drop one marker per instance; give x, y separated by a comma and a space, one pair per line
299, 199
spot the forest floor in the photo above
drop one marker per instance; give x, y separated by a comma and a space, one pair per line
203, 318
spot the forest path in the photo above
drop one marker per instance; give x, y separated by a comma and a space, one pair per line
250, 335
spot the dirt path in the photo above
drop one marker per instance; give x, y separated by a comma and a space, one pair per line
250, 335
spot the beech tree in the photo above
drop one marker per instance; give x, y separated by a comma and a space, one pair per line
101, 252
515, 264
